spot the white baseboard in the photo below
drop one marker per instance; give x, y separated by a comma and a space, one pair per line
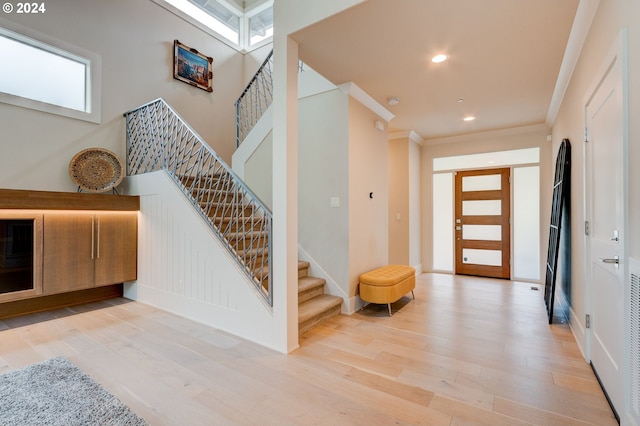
579, 333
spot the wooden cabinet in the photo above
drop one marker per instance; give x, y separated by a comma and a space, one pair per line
83, 247
88, 249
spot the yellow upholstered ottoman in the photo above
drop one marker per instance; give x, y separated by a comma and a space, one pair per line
387, 284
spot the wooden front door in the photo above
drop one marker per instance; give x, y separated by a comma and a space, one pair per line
482, 228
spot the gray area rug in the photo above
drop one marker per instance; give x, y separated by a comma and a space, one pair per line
56, 392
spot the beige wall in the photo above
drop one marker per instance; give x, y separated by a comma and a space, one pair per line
404, 200
252, 61
415, 211
135, 41
258, 171
610, 18
504, 140
368, 217
399, 201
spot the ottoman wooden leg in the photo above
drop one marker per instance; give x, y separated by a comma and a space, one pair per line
389, 306
414, 296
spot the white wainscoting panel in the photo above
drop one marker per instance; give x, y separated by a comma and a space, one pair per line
183, 268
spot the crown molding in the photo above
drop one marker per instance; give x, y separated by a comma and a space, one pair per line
407, 134
468, 137
579, 31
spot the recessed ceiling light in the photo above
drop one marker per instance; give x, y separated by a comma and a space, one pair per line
439, 58
393, 101
460, 100
470, 118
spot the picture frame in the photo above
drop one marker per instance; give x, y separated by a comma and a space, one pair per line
192, 67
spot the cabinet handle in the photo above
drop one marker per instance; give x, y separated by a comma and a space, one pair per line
93, 218
98, 245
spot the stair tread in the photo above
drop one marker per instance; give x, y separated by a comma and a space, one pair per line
307, 283
316, 306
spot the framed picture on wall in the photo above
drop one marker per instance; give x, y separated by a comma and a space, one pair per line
192, 67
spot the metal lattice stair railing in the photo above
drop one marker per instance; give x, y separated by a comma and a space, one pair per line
159, 139
254, 100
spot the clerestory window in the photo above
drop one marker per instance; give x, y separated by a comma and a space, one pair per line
243, 24
47, 76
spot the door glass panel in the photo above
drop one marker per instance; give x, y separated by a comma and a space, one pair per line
482, 257
482, 232
443, 222
481, 183
482, 207
526, 223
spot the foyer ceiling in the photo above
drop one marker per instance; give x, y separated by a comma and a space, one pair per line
503, 59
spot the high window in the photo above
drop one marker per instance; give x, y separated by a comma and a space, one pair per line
47, 77
245, 25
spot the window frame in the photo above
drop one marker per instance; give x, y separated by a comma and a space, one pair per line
92, 61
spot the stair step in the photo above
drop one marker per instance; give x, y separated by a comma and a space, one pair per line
310, 287
316, 310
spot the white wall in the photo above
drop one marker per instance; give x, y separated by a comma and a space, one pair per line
323, 172
610, 18
135, 41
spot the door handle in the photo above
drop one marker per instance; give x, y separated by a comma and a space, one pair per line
615, 260
93, 235
98, 244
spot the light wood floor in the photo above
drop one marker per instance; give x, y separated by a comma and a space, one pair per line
467, 351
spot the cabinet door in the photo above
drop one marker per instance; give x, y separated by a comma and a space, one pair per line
20, 255
116, 247
67, 252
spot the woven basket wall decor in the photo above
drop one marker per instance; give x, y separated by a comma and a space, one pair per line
96, 170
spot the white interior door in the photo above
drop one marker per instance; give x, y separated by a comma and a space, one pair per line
606, 215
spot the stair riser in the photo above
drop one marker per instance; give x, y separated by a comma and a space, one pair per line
312, 322
223, 224
303, 272
310, 294
223, 211
245, 244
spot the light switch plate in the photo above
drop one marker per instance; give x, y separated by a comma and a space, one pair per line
334, 201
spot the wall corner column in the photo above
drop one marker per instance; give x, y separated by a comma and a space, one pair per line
285, 192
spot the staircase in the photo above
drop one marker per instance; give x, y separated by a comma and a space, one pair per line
314, 306
159, 139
